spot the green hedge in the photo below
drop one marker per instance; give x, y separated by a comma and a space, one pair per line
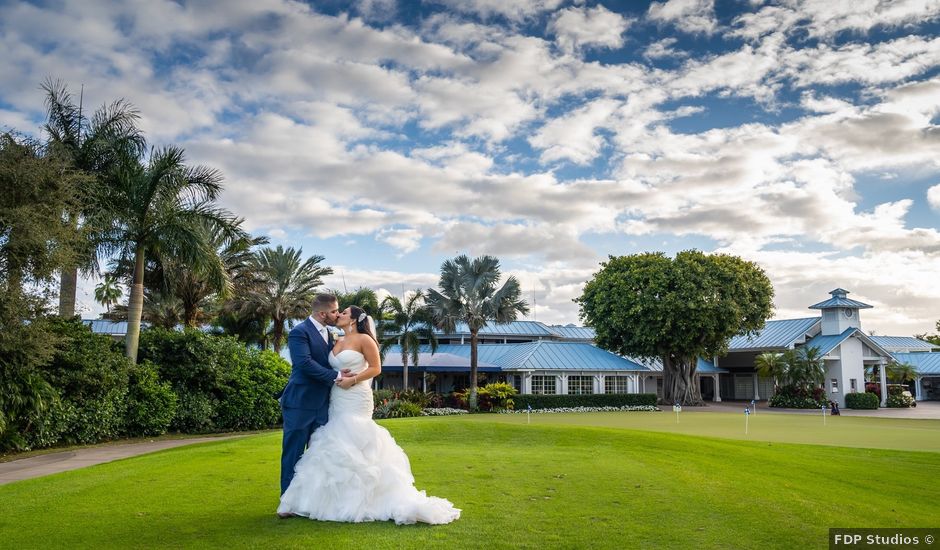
522, 401
219, 383
861, 401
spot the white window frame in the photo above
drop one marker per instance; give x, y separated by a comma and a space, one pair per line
542, 383
617, 384
580, 385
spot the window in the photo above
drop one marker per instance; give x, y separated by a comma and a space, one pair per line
543, 385
616, 384
517, 382
835, 385
853, 385
580, 385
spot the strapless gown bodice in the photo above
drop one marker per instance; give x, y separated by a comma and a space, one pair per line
353, 470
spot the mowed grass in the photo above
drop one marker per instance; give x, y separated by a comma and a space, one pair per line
847, 431
520, 486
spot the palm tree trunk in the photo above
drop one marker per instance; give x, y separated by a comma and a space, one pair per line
472, 398
68, 283
404, 370
135, 306
278, 334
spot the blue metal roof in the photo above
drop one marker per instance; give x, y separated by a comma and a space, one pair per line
839, 300
543, 355
926, 364
779, 334
827, 343
106, 326
702, 366
571, 332
533, 329
903, 343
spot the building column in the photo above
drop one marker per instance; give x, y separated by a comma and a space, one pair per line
598, 383
717, 398
756, 393
918, 389
884, 382
526, 382
562, 380
636, 383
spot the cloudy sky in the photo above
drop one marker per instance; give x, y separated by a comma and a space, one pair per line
389, 135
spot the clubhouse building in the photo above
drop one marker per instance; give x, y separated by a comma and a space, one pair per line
552, 359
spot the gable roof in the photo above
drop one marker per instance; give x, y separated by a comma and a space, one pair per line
779, 334
702, 366
829, 342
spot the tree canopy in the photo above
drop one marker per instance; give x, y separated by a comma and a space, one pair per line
676, 309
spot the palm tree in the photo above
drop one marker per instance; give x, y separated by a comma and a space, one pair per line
772, 365
109, 291
93, 146
900, 373
198, 290
285, 288
408, 324
805, 367
163, 208
468, 293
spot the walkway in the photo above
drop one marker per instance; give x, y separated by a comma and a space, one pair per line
924, 409
53, 463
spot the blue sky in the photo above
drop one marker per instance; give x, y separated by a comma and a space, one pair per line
389, 135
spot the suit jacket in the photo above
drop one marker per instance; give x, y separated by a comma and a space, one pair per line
311, 377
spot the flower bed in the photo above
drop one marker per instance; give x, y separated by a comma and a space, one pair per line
587, 409
442, 411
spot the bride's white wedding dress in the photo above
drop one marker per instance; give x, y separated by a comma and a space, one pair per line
353, 470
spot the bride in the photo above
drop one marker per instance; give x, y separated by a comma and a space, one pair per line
353, 470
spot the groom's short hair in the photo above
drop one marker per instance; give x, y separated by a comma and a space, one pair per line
324, 302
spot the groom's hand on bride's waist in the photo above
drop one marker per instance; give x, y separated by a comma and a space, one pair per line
346, 373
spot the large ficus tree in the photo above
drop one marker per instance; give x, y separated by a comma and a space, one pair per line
676, 309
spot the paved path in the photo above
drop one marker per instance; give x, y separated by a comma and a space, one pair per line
53, 463
924, 409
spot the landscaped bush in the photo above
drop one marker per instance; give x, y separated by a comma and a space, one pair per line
396, 408
795, 397
861, 401
151, 403
523, 401
90, 374
220, 384
897, 399
497, 397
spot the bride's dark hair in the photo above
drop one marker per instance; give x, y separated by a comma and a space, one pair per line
362, 321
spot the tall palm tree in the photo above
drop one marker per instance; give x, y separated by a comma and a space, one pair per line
407, 324
93, 146
163, 208
109, 291
285, 288
468, 293
900, 373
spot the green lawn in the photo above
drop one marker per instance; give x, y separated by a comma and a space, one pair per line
520, 486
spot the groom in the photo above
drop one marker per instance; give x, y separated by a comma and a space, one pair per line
306, 398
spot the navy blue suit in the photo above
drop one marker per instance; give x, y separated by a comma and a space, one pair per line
306, 398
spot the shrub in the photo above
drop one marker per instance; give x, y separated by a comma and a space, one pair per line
899, 397
381, 396
90, 373
396, 408
497, 397
415, 396
220, 384
797, 397
861, 401
151, 403
523, 401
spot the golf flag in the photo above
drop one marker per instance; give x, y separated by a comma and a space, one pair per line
747, 417
528, 419
754, 406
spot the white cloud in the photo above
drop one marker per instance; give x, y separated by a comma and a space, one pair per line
693, 16
576, 28
514, 10
933, 197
